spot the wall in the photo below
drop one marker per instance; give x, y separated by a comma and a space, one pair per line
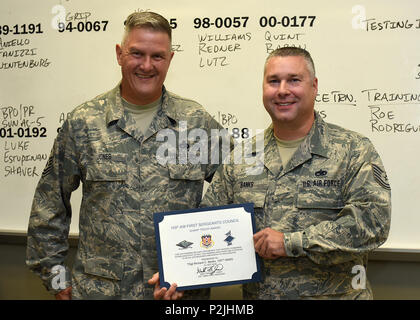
366, 55
368, 64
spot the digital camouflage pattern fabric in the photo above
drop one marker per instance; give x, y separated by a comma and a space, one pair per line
123, 185
332, 201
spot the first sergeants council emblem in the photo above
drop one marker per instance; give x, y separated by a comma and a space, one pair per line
206, 241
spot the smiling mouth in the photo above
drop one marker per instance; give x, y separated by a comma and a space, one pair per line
284, 104
142, 76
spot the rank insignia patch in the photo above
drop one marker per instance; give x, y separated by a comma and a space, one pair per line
48, 168
380, 177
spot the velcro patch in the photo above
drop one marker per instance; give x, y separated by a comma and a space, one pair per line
48, 167
380, 177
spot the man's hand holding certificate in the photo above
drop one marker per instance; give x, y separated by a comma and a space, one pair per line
207, 247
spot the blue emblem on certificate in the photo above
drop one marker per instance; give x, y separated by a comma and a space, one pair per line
212, 246
229, 238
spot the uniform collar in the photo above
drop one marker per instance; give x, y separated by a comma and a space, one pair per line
115, 113
115, 110
316, 142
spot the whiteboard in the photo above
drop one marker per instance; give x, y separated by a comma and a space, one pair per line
367, 57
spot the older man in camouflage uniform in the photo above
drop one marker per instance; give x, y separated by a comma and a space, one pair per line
322, 200
110, 145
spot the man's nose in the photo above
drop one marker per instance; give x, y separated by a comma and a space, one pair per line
146, 64
283, 88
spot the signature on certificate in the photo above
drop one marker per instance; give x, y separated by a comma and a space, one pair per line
209, 270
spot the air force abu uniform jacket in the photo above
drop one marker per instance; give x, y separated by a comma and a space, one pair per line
331, 201
123, 185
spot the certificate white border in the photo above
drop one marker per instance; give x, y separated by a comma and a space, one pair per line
163, 237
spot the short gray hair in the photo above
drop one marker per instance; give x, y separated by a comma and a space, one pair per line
147, 20
293, 52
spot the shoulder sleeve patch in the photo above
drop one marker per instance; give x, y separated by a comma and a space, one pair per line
48, 168
380, 177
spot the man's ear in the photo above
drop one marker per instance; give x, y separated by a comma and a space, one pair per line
118, 52
315, 84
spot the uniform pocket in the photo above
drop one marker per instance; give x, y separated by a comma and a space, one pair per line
104, 267
97, 278
185, 186
319, 197
317, 204
107, 167
248, 190
309, 201
185, 172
